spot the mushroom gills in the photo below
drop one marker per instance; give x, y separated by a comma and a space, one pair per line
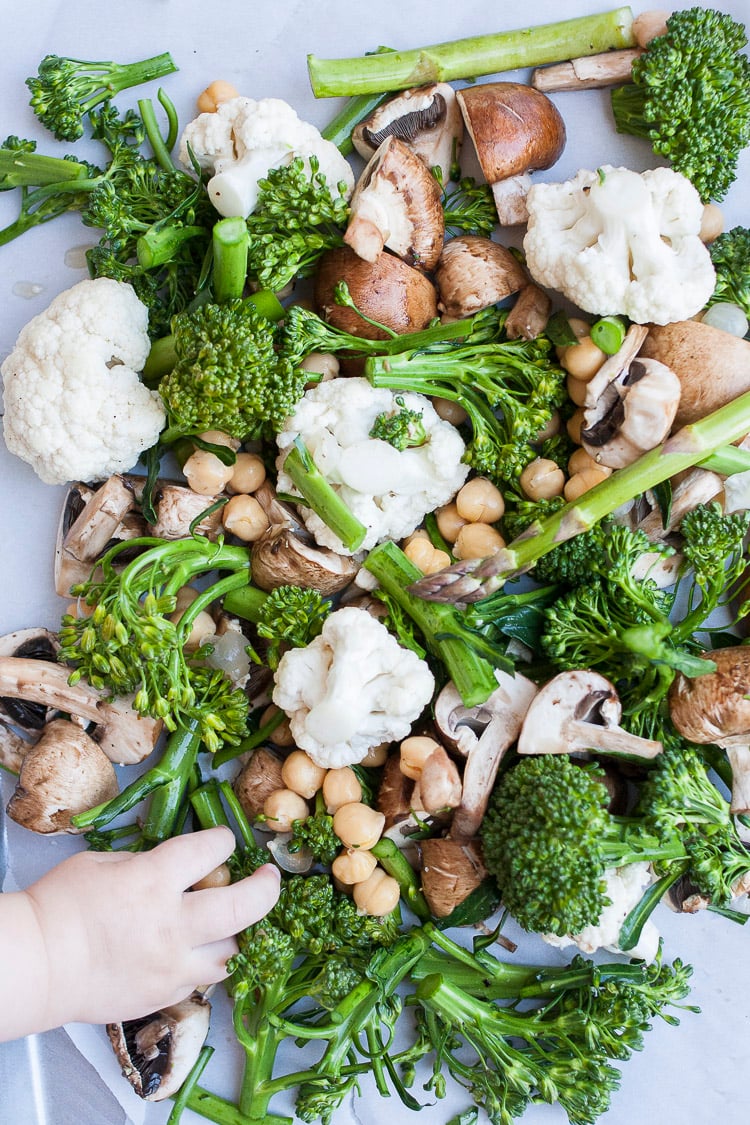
427, 119
157, 1051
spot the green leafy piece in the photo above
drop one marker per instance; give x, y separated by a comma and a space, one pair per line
730, 254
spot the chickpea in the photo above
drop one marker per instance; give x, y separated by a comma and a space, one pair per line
203, 627
583, 360
321, 363
79, 608
221, 876
353, 867
583, 482
218, 437
579, 328
375, 756
479, 501
548, 431
576, 389
712, 223
449, 523
244, 517
420, 551
214, 94
301, 774
542, 479
186, 595
377, 895
574, 425
477, 541
439, 561
282, 807
357, 825
282, 734
248, 473
341, 787
414, 752
449, 411
205, 473
581, 460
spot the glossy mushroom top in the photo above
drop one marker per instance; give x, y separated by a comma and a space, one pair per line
515, 129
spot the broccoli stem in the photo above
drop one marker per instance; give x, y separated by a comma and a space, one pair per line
322, 498
393, 860
230, 245
181, 1098
223, 1112
160, 148
159, 244
469, 58
34, 169
167, 801
116, 77
246, 603
472, 674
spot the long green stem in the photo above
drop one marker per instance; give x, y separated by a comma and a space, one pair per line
166, 801
122, 76
322, 498
153, 132
223, 1112
469, 58
393, 860
230, 244
32, 169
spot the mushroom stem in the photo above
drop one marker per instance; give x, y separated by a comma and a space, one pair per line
610, 740
739, 760
591, 72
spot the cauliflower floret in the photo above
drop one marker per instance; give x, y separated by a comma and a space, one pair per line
616, 241
388, 490
350, 689
75, 408
624, 889
244, 139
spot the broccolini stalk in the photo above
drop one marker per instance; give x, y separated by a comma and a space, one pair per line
469, 581
21, 166
322, 498
470, 58
230, 244
161, 147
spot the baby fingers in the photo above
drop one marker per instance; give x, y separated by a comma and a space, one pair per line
221, 912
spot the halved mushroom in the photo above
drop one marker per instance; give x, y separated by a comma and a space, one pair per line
439, 787
482, 735
699, 486
451, 870
89, 523
579, 711
257, 779
177, 508
125, 736
426, 118
13, 748
397, 204
33, 644
158, 1051
387, 291
474, 273
516, 130
63, 774
282, 557
633, 415
715, 709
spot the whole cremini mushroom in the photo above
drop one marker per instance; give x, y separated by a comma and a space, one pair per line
516, 130
388, 291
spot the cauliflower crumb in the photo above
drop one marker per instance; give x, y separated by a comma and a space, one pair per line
388, 490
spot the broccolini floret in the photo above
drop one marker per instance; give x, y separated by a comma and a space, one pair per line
316, 834
65, 90
714, 549
402, 429
291, 615
730, 254
690, 98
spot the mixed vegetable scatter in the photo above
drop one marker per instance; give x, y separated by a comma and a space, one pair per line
405, 536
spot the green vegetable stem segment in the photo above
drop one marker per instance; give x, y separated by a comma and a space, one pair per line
322, 498
230, 246
469, 58
608, 334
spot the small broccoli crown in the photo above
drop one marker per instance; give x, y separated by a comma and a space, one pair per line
291, 615
730, 254
691, 98
711, 539
402, 429
229, 375
317, 835
678, 792
541, 841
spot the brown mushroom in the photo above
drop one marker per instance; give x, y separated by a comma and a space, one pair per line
715, 709
713, 367
33, 644
282, 557
387, 291
474, 273
397, 204
158, 1051
63, 774
394, 792
177, 508
516, 130
426, 118
528, 317
257, 779
439, 785
89, 523
633, 415
451, 870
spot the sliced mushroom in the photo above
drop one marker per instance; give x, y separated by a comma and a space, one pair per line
516, 130
257, 779
451, 870
63, 774
33, 644
439, 784
13, 748
579, 711
592, 72
387, 291
158, 1051
482, 735
125, 736
634, 414
426, 118
528, 317
699, 486
89, 523
281, 557
177, 507
397, 204
715, 709
474, 273
394, 798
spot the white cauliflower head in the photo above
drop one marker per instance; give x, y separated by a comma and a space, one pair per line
624, 887
75, 408
616, 241
244, 139
350, 689
388, 490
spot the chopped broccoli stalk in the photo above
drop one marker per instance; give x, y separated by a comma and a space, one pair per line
22, 166
690, 98
65, 89
322, 498
130, 644
402, 428
230, 245
730, 254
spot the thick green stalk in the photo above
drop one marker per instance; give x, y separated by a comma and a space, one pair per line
472, 675
469, 58
246, 602
222, 1112
166, 801
393, 860
32, 169
322, 498
159, 147
159, 244
122, 76
692, 445
230, 245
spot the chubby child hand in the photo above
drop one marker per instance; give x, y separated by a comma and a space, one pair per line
105, 937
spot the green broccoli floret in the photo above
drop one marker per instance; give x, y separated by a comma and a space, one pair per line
714, 550
316, 834
291, 615
730, 254
548, 838
66, 89
402, 429
691, 98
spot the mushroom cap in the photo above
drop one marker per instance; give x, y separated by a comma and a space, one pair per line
33, 644
474, 273
714, 707
388, 291
280, 557
426, 118
581, 696
257, 779
515, 128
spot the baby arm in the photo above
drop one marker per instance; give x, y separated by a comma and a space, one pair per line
105, 937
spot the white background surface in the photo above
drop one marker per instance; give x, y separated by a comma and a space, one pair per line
695, 1074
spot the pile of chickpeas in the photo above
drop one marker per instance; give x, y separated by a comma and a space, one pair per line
206, 474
